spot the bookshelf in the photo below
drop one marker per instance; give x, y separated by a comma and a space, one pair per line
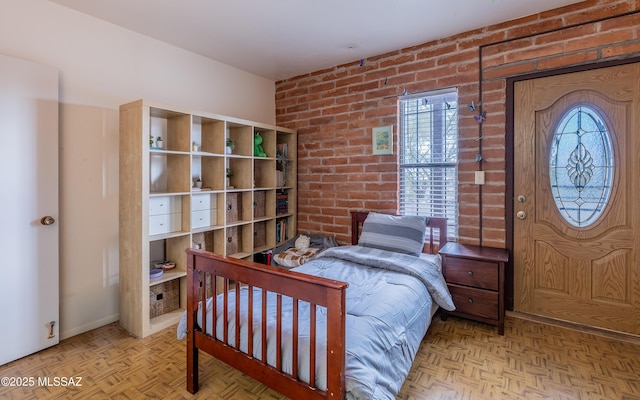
176, 193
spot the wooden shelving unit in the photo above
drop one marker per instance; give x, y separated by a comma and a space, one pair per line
162, 213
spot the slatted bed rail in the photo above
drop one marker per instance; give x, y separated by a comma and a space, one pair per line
209, 274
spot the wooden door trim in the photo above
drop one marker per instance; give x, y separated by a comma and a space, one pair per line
509, 153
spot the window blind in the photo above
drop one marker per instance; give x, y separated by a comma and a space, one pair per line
429, 156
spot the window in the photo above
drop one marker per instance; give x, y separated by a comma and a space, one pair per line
429, 156
581, 166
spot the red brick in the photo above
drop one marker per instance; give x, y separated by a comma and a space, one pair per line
568, 59
350, 80
457, 57
436, 51
509, 70
399, 59
536, 52
380, 74
628, 21
334, 110
475, 41
622, 49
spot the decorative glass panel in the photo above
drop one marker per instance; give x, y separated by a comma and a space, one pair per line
581, 166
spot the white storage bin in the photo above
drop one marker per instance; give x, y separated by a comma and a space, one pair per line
200, 202
203, 218
165, 223
164, 205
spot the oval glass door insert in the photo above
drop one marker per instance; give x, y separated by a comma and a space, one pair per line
581, 165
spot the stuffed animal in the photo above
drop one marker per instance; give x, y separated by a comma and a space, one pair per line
303, 242
258, 151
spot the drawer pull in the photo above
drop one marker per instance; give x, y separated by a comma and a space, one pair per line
470, 300
470, 273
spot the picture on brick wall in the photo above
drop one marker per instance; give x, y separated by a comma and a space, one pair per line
383, 140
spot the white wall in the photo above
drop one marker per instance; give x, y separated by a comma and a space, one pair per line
102, 66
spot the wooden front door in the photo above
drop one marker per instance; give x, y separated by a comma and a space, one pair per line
576, 196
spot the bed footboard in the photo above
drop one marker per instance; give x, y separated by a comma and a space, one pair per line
209, 274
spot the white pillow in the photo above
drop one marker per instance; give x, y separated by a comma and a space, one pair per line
402, 234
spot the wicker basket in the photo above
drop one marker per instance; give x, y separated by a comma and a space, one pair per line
234, 207
164, 298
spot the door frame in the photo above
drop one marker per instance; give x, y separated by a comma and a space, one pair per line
509, 150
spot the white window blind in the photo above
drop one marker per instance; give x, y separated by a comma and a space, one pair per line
429, 156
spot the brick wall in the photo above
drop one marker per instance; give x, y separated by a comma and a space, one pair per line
335, 109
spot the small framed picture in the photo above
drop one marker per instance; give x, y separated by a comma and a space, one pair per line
382, 137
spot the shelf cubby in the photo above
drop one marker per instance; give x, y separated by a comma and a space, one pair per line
242, 173
212, 240
207, 210
162, 213
212, 136
264, 235
212, 172
239, 240
169, 172
268, 141
242, 136
173, 127
264, 173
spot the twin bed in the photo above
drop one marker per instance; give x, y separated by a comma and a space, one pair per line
346, 324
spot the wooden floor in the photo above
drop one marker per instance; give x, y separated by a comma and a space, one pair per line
458, 359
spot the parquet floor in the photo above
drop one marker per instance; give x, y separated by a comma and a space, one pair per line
458, 359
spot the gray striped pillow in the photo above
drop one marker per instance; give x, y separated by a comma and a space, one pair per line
402, 234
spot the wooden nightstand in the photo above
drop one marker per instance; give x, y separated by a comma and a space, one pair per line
475, 277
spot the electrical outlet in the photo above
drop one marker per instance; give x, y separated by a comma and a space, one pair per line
479, 177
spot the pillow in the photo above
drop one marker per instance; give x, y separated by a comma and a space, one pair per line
402, 234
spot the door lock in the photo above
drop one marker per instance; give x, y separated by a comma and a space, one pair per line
521, 215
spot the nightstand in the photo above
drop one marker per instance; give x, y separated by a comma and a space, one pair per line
475, 277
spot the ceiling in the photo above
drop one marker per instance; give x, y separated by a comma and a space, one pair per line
279, 39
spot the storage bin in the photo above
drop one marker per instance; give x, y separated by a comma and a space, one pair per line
164, 298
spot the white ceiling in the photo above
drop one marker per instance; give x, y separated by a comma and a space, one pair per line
279, 39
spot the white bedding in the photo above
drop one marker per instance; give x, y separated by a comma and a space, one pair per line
390, 302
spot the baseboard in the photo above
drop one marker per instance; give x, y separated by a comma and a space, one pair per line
90, 326
627, 337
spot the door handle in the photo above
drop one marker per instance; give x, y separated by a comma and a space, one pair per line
47, 220
521, 214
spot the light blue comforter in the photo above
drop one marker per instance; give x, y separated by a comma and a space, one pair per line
389, 303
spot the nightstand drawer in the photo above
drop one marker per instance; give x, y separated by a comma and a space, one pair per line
478, 302
480, 274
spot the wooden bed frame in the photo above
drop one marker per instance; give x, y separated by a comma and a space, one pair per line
209, 273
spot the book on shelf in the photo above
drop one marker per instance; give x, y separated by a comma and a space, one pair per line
282, 203
279, 178
281, 230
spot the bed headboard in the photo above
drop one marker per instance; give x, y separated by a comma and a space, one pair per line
436, 227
